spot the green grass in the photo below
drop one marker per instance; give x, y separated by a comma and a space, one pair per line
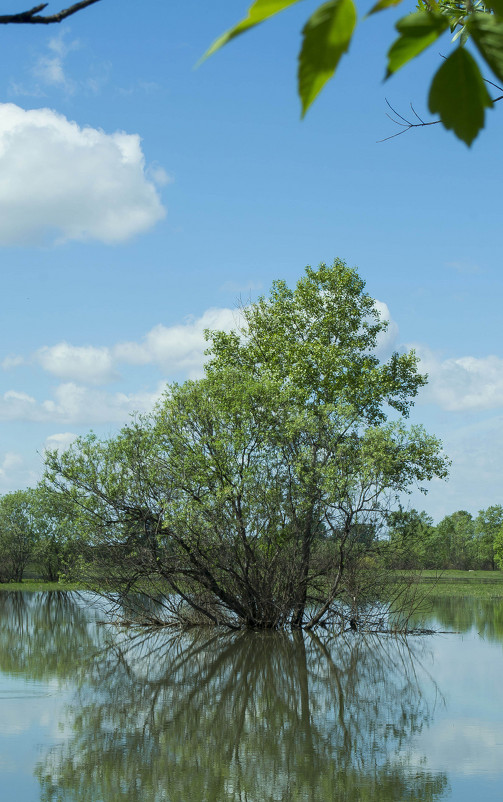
31, 585
479, 584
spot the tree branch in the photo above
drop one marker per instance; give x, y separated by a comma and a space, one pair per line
406, 124
30, 17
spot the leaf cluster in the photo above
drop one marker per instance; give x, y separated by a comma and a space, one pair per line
458, 92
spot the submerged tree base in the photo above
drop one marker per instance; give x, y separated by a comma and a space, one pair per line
157, 608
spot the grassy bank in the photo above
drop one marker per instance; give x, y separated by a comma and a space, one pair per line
480, 584
31, 585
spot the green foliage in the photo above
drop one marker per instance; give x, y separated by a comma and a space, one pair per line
457, 93
487, 33
326, 37
57, 551
18, 534
455, 535
457, 542
411, 541
417, 32
258, 12
37, 528
488, 524
247, 492
498, 548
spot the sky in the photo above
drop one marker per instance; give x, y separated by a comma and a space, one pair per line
141, 200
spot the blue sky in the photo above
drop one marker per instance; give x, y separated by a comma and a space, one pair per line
140, 198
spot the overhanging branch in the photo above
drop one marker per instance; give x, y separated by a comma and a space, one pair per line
32, 17
406, 124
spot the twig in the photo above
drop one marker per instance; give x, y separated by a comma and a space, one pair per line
406, 124
32, 16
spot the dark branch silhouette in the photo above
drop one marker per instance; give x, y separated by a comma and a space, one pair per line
32, 16
406, 124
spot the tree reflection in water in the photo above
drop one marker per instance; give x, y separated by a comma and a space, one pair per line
206, 717
463, 614
43, 634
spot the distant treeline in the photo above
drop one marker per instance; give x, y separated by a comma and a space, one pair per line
40, 536
458, 541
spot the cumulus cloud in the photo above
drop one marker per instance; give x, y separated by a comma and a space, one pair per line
14, 473
386, 339
61, 182
59, 441
10, 460
177, 348
74, 403
174, 349
463, 383
79, 363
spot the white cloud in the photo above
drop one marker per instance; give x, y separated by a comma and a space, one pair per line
177, 348
76, 404
61, 182
386, 339
12, 361
73, 403
84, 364
474, 483
174, 349
158, 175
463, 383
17, 406
50, 67
49, 70
463, 747
14, 473
59, 441
11, 460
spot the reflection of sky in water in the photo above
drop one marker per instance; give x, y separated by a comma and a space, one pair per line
465, 738
30, 716
460, 679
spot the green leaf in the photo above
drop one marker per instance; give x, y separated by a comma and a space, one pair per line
487, 33
382, 5
459, 95
327, 35
417, 32
259, 11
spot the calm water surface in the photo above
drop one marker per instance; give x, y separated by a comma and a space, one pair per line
94, 714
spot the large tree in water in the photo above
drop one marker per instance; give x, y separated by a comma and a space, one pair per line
253, 497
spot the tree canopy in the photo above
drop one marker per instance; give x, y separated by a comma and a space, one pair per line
458, 92
255, 494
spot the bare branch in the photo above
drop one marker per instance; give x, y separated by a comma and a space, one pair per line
406, 124
32, 17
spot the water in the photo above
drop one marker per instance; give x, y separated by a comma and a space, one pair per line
91, 713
